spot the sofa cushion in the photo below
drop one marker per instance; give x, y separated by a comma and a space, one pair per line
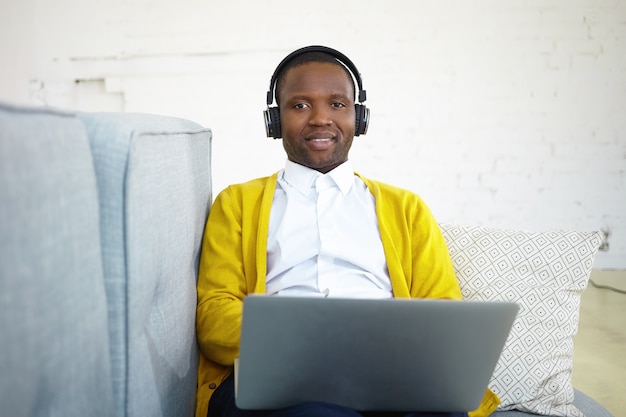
154, 182
587, 405
545, 272
53, 315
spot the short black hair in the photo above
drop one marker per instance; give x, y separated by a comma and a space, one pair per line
305, 58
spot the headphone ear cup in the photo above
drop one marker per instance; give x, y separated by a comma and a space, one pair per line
272, 123
362, 114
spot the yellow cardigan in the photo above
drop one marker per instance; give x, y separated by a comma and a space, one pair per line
233, 264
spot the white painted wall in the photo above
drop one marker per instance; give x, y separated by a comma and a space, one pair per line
503, 113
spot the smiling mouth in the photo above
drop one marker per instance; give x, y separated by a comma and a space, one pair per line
320, 142
320, 136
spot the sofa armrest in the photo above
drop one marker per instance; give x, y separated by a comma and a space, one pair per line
154, 189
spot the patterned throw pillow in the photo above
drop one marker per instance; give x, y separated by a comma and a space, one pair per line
545, 273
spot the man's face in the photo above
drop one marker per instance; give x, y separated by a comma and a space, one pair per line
317, 115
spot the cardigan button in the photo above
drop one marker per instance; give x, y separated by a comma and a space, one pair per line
212, 385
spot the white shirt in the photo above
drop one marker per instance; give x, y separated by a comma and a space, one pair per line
323, 236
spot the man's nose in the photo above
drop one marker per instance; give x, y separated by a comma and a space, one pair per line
320, 116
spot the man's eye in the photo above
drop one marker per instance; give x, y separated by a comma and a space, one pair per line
338, 105
300, 106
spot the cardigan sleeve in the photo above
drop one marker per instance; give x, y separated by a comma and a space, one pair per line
221, 282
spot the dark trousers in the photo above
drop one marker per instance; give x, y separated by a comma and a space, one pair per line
222, 404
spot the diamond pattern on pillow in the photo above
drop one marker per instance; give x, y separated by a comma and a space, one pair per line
545, 273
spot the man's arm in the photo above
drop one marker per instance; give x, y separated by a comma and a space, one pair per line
417, 255
433, 271
221, 282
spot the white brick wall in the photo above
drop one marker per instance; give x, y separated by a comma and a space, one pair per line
507, 113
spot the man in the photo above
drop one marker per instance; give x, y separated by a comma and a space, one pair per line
314, 228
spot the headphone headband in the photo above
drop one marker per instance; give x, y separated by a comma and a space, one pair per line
272, 114
317, 48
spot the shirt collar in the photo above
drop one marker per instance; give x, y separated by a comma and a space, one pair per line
303, 178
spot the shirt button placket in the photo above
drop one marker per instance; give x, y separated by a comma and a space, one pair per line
324, 187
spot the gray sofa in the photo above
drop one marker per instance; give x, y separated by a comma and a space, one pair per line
100, 227
101, 220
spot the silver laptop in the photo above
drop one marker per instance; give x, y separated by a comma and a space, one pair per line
369, 355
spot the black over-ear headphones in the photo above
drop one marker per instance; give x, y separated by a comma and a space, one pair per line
272, 114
